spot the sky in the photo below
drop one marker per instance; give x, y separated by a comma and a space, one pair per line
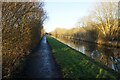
65, 14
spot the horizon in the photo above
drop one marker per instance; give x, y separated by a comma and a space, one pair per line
72, 12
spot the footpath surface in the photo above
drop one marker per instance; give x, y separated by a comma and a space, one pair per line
41, 63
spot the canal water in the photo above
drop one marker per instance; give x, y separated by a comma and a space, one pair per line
108, 56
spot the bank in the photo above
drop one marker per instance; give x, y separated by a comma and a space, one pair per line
74, 64
115, 44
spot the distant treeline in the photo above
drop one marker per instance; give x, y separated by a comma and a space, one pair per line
100, 26
22, 29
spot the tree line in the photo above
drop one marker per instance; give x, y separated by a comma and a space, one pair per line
100, 26
22, 29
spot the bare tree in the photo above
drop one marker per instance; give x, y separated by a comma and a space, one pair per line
106, 15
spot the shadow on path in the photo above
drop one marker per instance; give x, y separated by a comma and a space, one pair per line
41, 63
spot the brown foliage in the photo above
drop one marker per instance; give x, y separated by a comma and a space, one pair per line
22, 25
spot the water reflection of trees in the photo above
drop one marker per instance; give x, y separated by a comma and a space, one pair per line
109, 58
105, 55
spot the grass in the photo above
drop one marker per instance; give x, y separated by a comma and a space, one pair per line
74, 64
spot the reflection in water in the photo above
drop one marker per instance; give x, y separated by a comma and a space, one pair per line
106, 55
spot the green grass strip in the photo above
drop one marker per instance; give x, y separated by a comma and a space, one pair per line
74, 64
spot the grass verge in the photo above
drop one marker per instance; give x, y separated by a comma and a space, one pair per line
74, 64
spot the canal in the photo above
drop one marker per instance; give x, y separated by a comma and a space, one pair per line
108, 56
